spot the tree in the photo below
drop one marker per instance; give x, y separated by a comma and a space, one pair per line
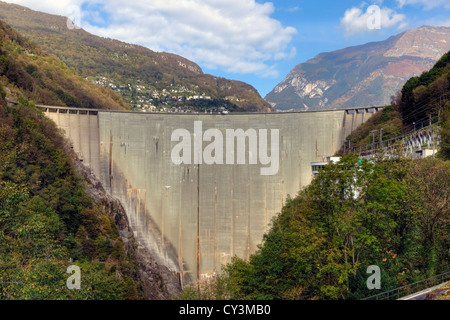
431, 179
389, 213
444, 151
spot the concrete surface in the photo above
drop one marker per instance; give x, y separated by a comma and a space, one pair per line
192, 217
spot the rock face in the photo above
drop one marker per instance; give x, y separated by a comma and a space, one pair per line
156, 281
363, 75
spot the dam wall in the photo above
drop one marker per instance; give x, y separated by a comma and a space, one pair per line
194, 216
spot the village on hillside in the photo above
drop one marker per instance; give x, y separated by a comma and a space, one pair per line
175, 99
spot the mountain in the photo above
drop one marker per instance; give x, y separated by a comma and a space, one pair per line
425, 96
362, 75
422, 100
44, 79
53, 212
140, 75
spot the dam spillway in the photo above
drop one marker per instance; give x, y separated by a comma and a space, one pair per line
195, 216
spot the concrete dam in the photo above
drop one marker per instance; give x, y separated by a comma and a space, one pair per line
199, 188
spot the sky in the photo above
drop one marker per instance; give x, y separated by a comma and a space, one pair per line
255, 41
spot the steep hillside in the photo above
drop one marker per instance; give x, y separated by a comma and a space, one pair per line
363, 75
44, 79
355, 214
425, 99
426, 96
422, 100
52, 213
142, 76
48, 218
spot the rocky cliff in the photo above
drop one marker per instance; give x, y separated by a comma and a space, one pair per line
363, 75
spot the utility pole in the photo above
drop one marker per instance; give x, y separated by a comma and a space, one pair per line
381, 138
373, 139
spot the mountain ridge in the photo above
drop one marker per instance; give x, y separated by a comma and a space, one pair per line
26, 69
129, 66
52, 208
362, 75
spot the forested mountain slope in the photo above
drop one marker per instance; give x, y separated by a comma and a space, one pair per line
52, 214
142, 75
44, 79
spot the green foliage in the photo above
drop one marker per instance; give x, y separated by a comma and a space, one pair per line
47, 218
386, 114
388, 119
426, 95
444, 145
423, 99
44, 79
393, 214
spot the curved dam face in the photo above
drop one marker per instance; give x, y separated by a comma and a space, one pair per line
199, 189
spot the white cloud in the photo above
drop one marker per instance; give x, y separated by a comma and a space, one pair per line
235, 35
60, 7
356, 20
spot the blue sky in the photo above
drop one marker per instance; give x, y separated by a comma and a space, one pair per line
257, 42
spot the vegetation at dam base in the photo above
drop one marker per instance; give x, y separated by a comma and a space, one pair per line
48, 218
48, 221
392, 214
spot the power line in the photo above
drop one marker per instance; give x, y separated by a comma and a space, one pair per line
419, 109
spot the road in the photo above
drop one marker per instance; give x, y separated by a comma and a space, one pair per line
421, 294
